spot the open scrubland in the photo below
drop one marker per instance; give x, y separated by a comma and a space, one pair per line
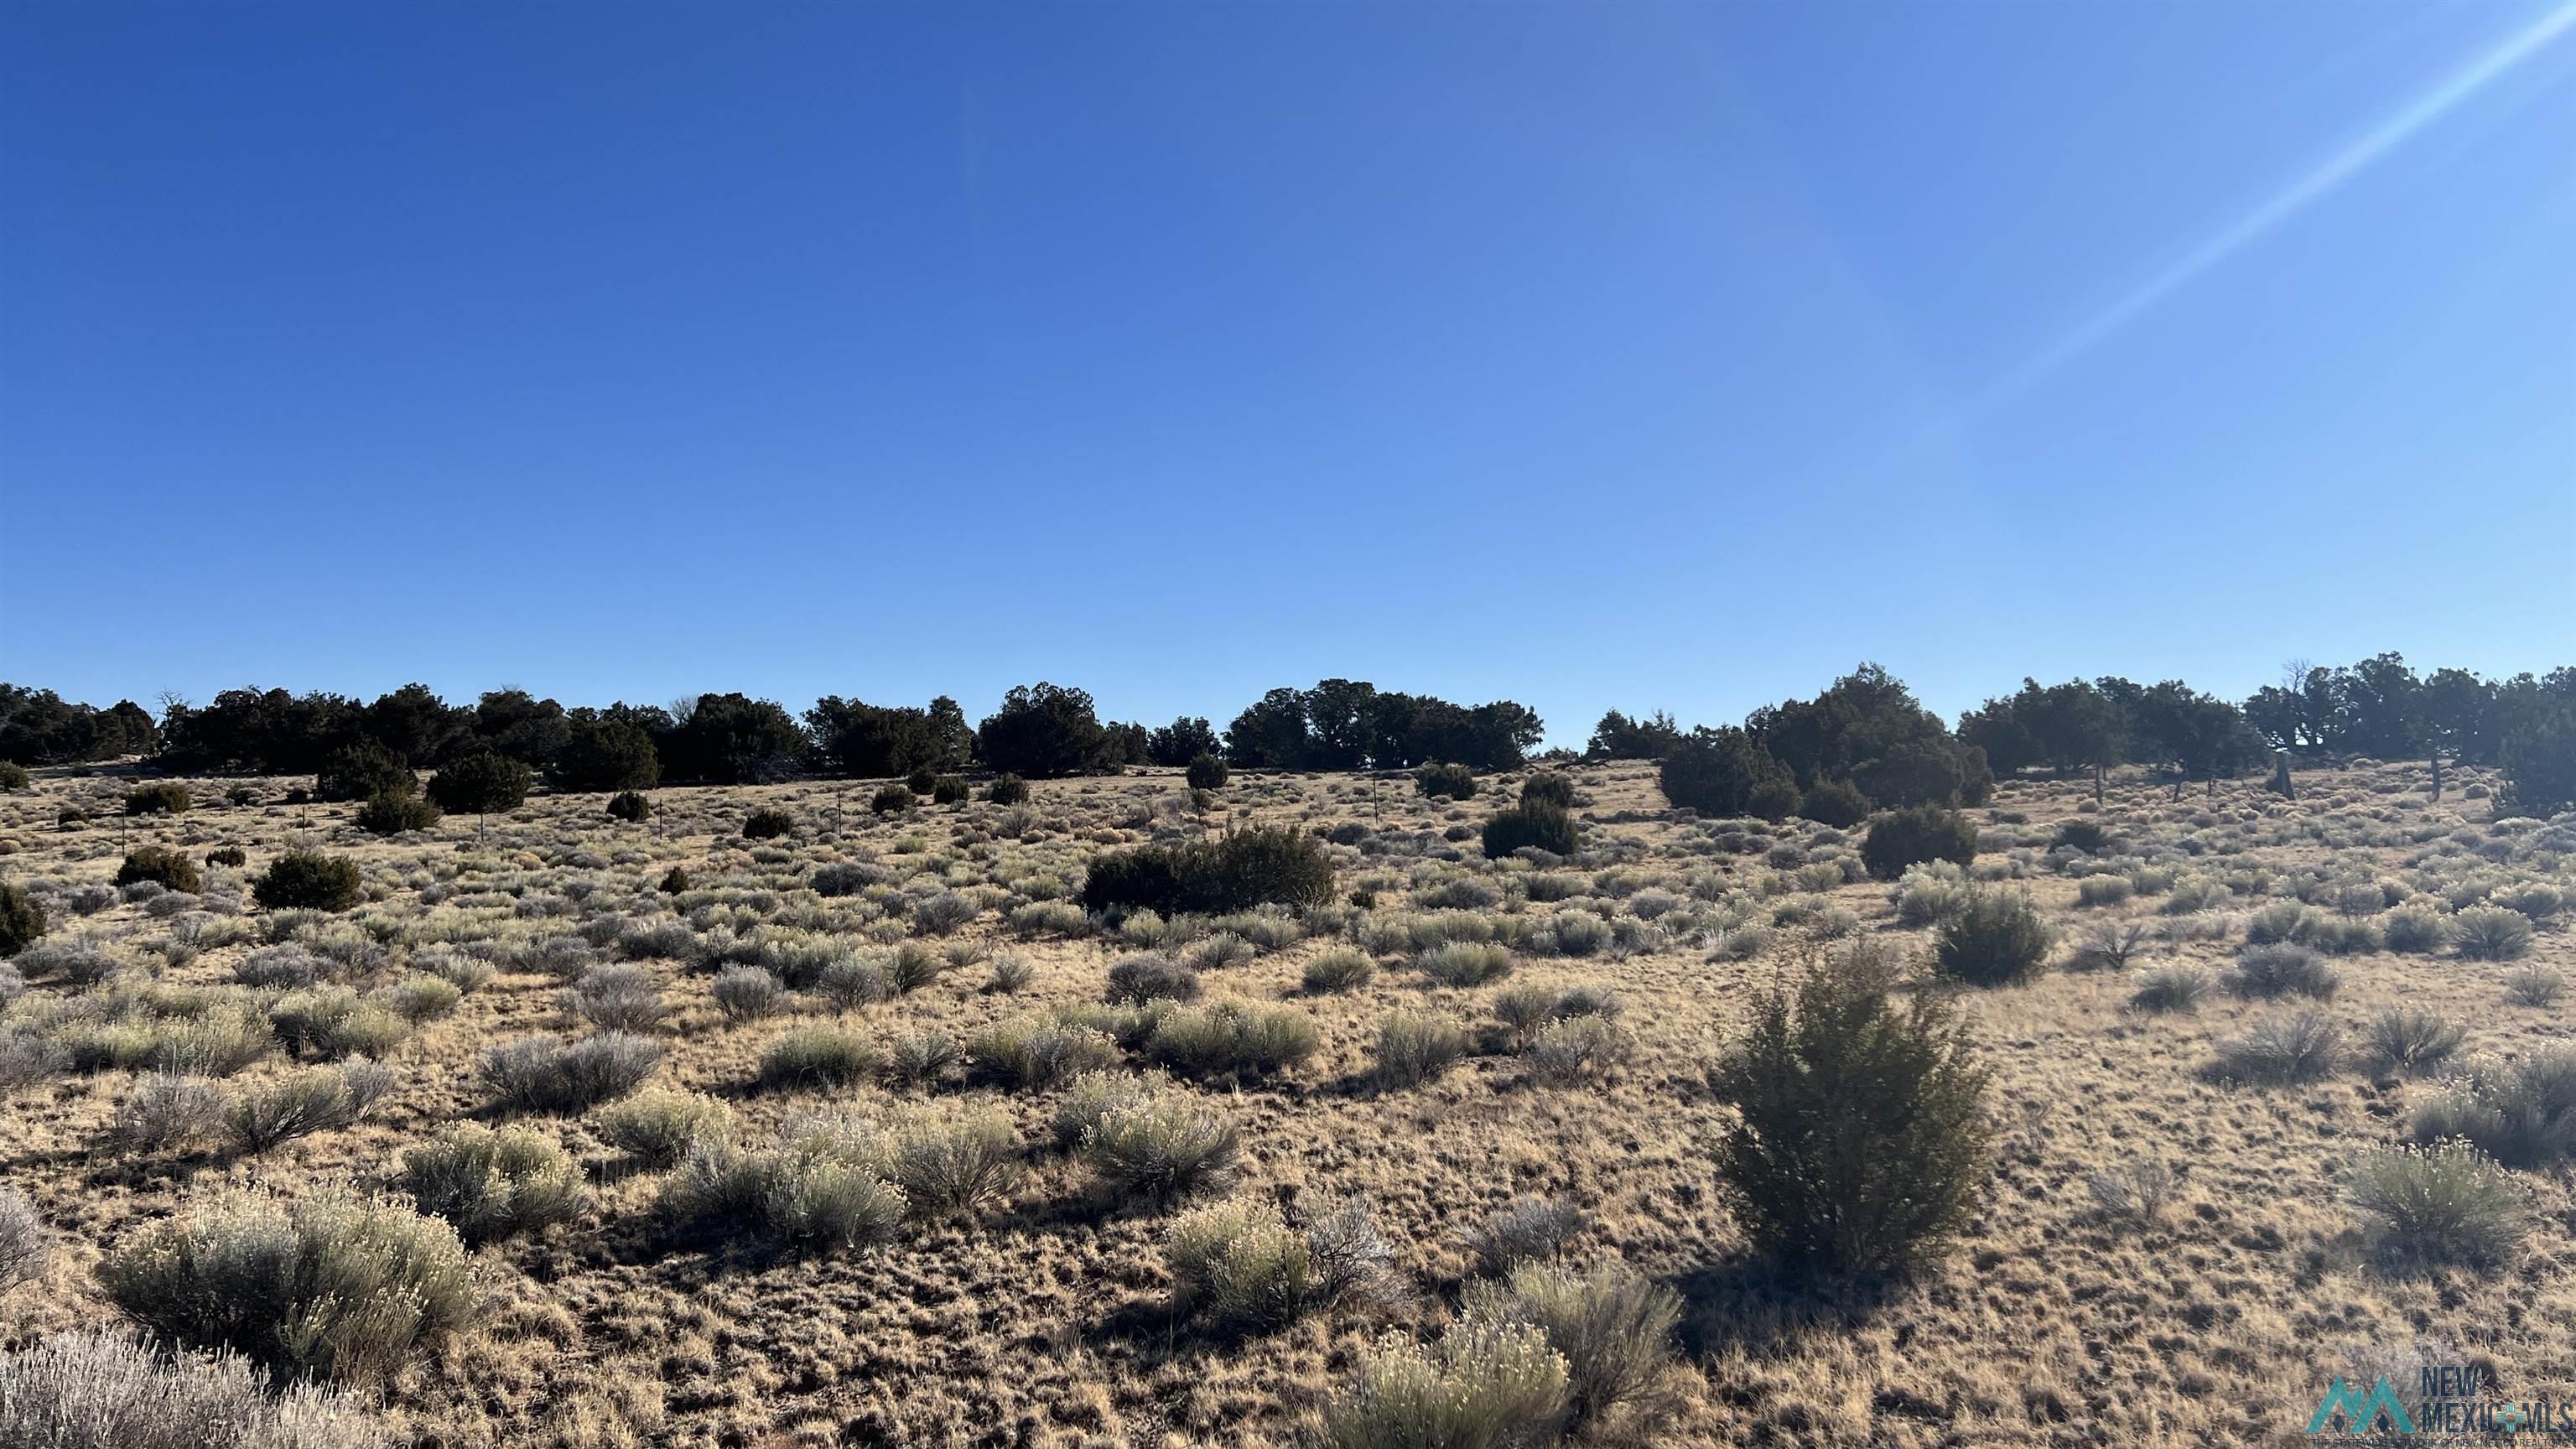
856, 1127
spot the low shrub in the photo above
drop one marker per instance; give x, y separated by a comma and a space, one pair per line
824, 1187
942, 913
544, 1074
26, 1246
2535, 986
166, 797
767, 824
13, 778
2282, 969
1612, 1326
2444, 1204
748, 993
494, 1184
166, 868
2297, 1047
2523, 1113
1007, 789
657, 1127
817, 1056
2405, 1039
631, 806
1526, 1229
332, 1022
1445, 781
1575, 1050
319, 1100
1234, 872
331, 1286
1996, 939
2490, 933
1413, 1048
22, 919
947, 790
1236, 1040
167, 1112
1339, 969
2104, 890
1207, 772
956, 1167
1465, 963
1548, 787
304, 880
891, 800
110, 1389
1150, 977
924, 1059
1860, 1133
230, 855
1161, 1149
617, 997
1238, 1264
2412, 930
1034, 1053
1483, 1385
2110, 947
1532, 824
2087, 836
1918, 833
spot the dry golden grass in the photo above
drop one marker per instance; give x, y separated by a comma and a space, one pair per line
1046, 1319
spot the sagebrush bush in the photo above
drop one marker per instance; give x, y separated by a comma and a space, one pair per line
1238, 1264
824, 1187
1234, 872
1160, 1148
657, 1126
1231, 1039
1414, 1047
1465, 963
169, 869
266, 1114
2407, 1039
1483, 1385
332, 1286
544, 1074
1996, 939
1860, 1133
748, 993
618, 997
1535, 825
1151, 977
955, 1167
1526, 1229
2110, 946
1613, 1327
2444, 1204
1035, 1053
494, 1184
2283, 969
168, 1112
2522, 1113
1339, 969
26, 1246
1575, 1050
166, 797
767, 824
22, 920
1445, 781
2490, 933
817, 1056
2535, 986
1918, 833
2295, 1047
332, 1022
306, 880
109, 1388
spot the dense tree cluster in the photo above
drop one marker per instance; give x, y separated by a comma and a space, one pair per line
1343, 724
37, 727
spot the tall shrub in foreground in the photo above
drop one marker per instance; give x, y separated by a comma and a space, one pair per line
22, 919
1859, 1141
1922, 832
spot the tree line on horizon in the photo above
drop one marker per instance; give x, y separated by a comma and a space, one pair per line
1865, 734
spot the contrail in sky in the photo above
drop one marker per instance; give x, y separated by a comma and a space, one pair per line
2356, 157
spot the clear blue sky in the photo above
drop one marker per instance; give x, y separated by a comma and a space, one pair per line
1587, 355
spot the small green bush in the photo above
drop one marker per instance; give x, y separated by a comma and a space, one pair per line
13, 778
2523, 1114
1151, 977
363, 771
1838, 803
1007, 789
1575, 1051
1035, 1053
2412, 930
1465, 963
2490, 933
1537, 825
330, 1287
163, 867
1774, 800
2444, 1204
483, 782
2297, 1047
319, 1100
303, 880
230, 855
1614, 1328
767, 824
1861, 1131
1239, 1265
1233, 1039
947, 790
1234, 872
1484, 1385
657, 1127
825, 1187
1917, 833
22, 919
1340, 969
1207, 772
1996, 939
630, 806
387, 813
2405, 1039
1548, 787
817, 1056
674, 881
892, 799
958, 1166
494, 1184
542, 1074
1444, 780
2283, 969
167, 797
922, 780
